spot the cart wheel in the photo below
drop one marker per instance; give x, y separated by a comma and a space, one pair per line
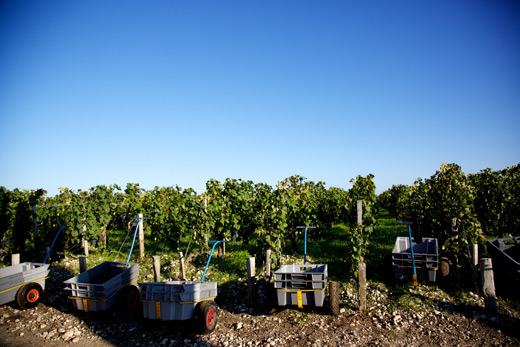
334, 297
29, 295
128, 298
444, 267
206, 316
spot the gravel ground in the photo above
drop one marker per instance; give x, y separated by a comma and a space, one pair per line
402, 315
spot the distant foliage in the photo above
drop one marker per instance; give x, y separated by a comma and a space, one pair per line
251, 212
460, 209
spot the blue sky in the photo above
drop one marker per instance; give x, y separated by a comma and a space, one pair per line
166, 93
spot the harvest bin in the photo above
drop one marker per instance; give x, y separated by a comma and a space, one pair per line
26, 279
174, 300
301, 284
98, 289
426, 258
505, 255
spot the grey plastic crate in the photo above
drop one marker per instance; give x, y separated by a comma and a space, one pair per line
505, 255
426, 258
13, 277
96, 289
174, 300
301, 277
308, 298
308, 281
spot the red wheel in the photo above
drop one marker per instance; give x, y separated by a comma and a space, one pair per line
210, 317
128, 298
33, 295
29, 295
206, 316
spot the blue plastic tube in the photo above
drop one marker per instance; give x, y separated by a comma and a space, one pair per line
50, 249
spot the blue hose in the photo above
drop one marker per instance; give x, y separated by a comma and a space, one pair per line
133, 242
207, 264
50, 249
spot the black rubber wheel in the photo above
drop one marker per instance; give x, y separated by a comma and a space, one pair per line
206, 316
444, 267
29, 295
334, 297
128, 298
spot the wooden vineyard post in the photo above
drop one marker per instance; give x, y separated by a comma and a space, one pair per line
474, 263
141, 237
85, 247
84, 242
268, 265
250, 280
157, 268
362, 277
360, 212
183, 269
82, 264
488, 284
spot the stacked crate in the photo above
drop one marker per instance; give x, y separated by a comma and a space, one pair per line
301, 285
426, 258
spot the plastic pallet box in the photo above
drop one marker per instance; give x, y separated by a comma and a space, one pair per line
505, 256
301, 277
96, 289
305, 281
174, 300
13, 277
426, 258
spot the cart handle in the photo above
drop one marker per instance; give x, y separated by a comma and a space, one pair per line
207, 264
52, 245
411, 249
305, 245
135, 234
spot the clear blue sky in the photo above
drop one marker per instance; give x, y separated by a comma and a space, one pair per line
166, 93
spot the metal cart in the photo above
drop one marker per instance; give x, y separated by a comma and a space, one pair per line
182, 300
106, 285
304, 285
25, 282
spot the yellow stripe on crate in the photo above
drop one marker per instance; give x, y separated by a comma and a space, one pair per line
3, 291
417, 267
302, 290
158, 309
181, 302
299, 294
85, 305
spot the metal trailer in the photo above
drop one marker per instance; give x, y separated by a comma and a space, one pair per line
425, 256
305, 285
417, 256
23, 283
182, 300
104, 286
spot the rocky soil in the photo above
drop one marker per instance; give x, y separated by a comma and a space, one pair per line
396, 315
